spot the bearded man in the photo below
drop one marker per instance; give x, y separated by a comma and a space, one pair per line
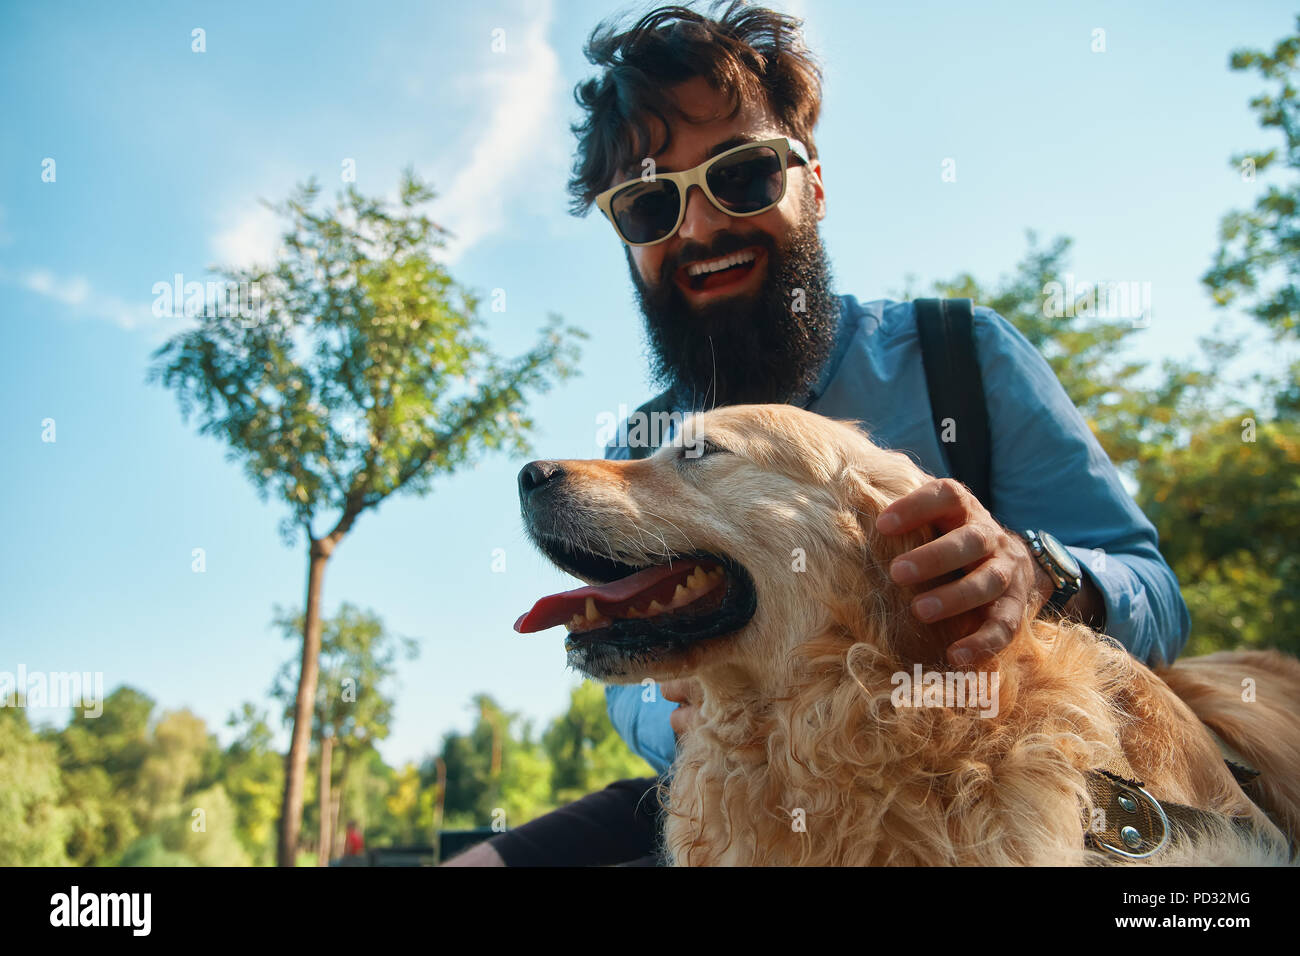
698, 147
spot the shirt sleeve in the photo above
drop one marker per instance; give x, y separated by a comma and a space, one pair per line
1050, 473
643, 724
640, 714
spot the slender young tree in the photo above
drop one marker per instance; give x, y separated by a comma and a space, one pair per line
354, 368
354, 702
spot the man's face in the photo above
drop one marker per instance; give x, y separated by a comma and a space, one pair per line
754, 333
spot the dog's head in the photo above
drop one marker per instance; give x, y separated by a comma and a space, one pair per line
751, 532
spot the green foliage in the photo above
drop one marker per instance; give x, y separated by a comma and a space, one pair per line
354, 703
173, 765
1224, 498
358, 659
205, 829
364, 371
1258, 261
253, 776
585, 750
150, 851
1228, 508
1086, 351
353, 369
33, 826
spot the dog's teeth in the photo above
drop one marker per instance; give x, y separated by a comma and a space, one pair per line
575, 622
592, 613
632, 612
681, 594
655, 607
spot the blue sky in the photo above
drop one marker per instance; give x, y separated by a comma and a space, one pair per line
162, 152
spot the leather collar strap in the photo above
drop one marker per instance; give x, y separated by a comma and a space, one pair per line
1130, 823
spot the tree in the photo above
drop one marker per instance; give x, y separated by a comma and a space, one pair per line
101, 758
1220, 487
175, 764
253, 775
361, 373
1227, 504
33, 826
585, 750
354, 707
1258, 260
497, 768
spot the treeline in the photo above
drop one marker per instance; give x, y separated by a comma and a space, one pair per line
139, 787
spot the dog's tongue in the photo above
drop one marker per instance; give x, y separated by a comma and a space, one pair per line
557, 608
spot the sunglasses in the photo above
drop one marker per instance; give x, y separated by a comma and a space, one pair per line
744, 181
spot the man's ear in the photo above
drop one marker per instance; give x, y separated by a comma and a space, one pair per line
814, 168
912, 639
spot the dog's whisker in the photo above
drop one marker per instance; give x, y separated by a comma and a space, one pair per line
676, 527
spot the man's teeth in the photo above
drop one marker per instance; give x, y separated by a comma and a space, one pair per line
714, 265
698, 583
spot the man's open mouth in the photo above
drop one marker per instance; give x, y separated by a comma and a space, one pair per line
641, 612
720, 273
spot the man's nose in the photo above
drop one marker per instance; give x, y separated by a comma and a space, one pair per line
536, 474
703, 219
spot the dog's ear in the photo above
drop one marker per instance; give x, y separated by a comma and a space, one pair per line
869, 492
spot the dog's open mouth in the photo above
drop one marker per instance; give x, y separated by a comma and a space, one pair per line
640, 613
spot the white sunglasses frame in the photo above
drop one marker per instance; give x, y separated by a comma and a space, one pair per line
696, 176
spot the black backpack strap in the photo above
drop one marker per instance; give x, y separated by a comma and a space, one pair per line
952, 374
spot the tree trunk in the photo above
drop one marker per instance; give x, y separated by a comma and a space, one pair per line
326, 818
339, 837
295, 764
441, 767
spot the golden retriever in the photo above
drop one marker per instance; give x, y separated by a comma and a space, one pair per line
745, 555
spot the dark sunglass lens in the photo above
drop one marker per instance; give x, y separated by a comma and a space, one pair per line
645, 212
748, 180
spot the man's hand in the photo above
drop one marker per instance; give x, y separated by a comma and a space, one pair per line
686, 692
480, 854
1002, 578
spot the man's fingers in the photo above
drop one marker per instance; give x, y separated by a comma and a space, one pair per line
955, 550
683, 690
993, 635
682, 718
932, 501
982, 586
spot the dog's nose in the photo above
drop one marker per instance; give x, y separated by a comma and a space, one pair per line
535, 474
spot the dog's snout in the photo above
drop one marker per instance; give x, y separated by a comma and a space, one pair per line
535, 474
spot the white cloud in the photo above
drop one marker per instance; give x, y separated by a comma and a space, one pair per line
518, 133
251, 236
81, 301
73, 291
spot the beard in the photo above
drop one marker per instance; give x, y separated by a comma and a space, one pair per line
755, 348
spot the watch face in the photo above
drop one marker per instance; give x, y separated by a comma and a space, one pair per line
1062, 558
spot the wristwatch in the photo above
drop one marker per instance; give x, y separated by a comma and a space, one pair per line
1059, 563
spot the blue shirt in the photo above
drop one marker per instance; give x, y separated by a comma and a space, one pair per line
1048, 472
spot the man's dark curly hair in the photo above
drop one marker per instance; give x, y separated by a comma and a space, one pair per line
745, 53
